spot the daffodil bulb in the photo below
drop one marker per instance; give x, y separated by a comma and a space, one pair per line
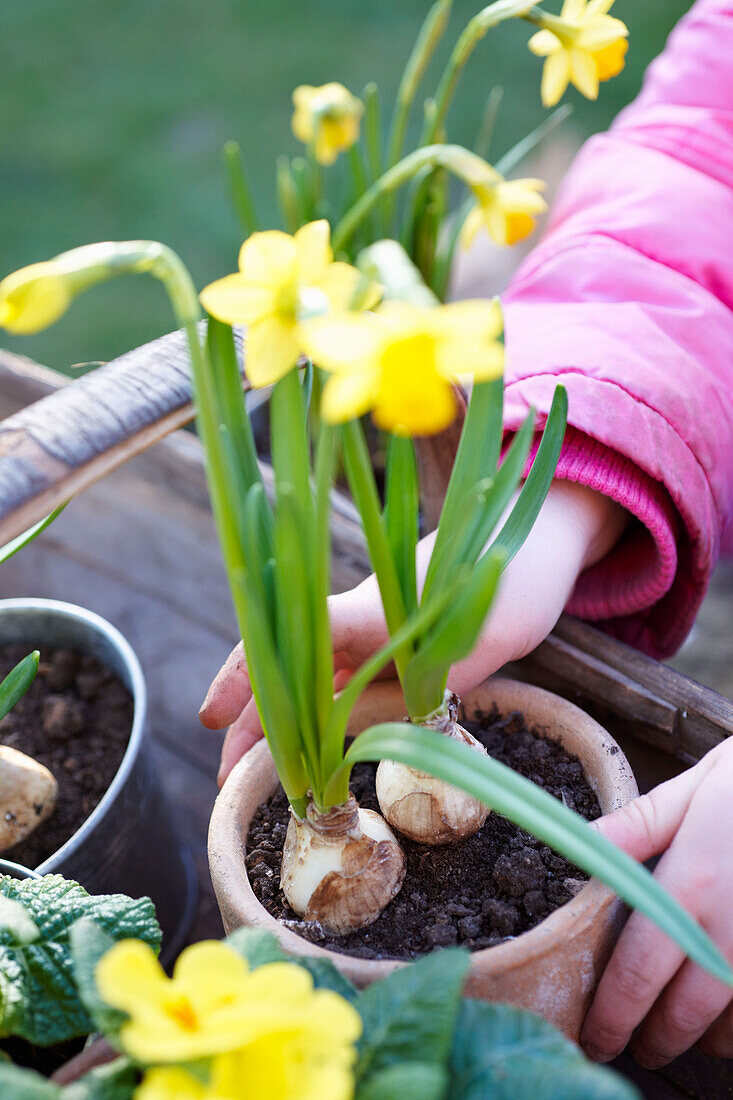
426, 809
340, 868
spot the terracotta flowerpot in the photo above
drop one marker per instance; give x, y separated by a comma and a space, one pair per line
551, 970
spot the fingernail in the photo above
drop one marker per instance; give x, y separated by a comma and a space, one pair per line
205, 703
595, 1053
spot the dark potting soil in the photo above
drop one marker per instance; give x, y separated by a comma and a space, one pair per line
477, 892
76, 719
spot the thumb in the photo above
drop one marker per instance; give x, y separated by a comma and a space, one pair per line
647, 826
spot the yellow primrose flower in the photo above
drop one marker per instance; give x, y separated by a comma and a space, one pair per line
172, 1084
583, 46
401, 362
306, 1066
326, 118
506, 209
281, 280
215, 1004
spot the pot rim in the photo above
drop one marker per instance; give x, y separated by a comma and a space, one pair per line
17, 870
136, 686
567, 919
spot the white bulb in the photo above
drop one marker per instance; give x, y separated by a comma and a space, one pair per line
425, 809
341, 868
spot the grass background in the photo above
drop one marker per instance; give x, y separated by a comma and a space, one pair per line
114, 113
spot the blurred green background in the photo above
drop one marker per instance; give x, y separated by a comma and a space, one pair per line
114, 113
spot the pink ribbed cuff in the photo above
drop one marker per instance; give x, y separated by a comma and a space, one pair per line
641, 591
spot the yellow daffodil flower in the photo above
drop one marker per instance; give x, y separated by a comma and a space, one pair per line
281, 280
33, 298
214, 1005
401, 362
326, 118
582, 46
506, 209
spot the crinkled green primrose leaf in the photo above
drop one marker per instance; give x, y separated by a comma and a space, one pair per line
39, 999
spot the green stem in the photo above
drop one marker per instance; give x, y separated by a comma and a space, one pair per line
427, 41
30, 534
288, 196
361, 182
363, 486
454, 158
17, 682
472, 34
430, 35
315, 174
373, 130
239, 189
325, 461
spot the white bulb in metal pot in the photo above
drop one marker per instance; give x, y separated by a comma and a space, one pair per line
28, 794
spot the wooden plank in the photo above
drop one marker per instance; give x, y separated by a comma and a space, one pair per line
23, 381
79, 433
705, 717
706, 653
605, 683
163, 499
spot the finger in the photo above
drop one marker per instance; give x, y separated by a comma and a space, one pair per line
229, 693
341, 678
643, 962
647, 825
358, 627
243, 733
717, 1042
343, 660
689, 1005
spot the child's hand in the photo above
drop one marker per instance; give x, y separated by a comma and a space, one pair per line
575, 528
648, 984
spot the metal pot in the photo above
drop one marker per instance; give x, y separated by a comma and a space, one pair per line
16, 870
128, 844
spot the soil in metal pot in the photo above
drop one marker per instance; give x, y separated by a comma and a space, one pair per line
477, 892
76, 719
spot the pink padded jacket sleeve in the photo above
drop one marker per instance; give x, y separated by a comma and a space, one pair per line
628, 301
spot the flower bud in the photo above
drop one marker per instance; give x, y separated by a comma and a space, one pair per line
326, 118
